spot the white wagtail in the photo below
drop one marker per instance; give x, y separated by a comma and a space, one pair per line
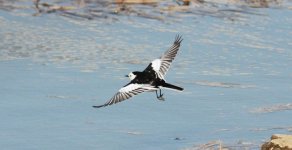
151, 79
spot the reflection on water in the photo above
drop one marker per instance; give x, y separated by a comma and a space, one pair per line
274, 108
60, 59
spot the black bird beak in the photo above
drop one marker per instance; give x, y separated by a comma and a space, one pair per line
126, 75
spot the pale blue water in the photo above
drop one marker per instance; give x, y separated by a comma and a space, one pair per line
53, 69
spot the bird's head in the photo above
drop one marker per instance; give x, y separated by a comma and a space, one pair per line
131, 75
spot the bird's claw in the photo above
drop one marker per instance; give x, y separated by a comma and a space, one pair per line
161, 98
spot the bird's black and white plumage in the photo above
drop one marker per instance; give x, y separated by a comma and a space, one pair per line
151, 79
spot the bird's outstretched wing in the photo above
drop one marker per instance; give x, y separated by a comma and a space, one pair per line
127, 92
162, 65
169, 55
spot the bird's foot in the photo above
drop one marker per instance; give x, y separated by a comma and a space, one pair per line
160, 97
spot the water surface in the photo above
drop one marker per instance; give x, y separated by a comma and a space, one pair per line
232, 66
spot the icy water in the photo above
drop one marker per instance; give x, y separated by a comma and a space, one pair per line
235, 68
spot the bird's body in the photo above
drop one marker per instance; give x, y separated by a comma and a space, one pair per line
149, 80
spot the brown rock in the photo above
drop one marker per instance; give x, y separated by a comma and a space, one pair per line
278, 142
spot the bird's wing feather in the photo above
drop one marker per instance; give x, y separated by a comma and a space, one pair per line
162, 65
168, 56
127, 92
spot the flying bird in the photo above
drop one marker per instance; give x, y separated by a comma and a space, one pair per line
149, 80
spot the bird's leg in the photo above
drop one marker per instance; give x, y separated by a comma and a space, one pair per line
160, 93
156, 94
160, 97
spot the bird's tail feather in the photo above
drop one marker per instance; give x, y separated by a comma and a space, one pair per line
173, 87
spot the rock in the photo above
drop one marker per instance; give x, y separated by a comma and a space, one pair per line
278, 142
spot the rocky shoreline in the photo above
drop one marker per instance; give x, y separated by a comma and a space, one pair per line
278, 142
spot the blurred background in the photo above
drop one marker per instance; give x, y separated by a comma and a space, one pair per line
60, 57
